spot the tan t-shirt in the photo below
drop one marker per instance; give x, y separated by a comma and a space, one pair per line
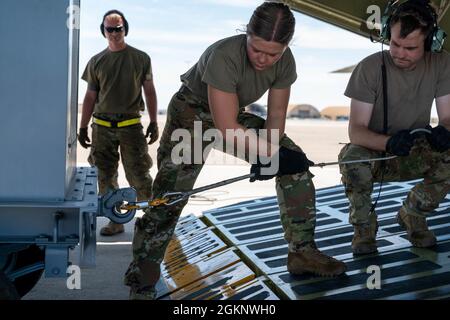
410, 93
225, 66
118, 78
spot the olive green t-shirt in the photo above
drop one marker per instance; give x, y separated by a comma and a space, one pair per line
118, 78
410, 93
225, 66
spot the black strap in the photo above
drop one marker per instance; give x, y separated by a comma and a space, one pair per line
385, 96
385, 126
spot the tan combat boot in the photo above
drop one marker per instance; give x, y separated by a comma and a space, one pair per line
142, 278
111, 229
364, 238
418, 233
308, 259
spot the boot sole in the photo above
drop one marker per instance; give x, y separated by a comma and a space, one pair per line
299, 273
328, 275
431, 243
110, 233
361, 252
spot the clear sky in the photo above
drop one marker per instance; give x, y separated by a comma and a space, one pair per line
175, 33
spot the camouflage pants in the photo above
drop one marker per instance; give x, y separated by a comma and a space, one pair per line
153, 232
106, 143
423, 162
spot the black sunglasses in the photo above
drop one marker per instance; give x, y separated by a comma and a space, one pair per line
114, 29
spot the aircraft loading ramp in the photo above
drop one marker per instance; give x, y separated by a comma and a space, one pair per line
238, 253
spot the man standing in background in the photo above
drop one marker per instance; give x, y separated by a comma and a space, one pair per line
114, 100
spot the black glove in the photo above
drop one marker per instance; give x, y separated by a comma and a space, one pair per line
83, 138
152, 132
290, 162
400, 143
256, 169
439, 139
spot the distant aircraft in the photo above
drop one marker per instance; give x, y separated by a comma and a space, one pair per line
348, 69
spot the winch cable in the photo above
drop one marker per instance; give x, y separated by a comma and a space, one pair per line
171, 198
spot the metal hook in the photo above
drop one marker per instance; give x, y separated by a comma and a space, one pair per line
110, 205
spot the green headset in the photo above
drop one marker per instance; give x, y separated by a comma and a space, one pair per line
436, 37
434, 41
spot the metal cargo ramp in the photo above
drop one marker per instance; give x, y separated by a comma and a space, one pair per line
253, 227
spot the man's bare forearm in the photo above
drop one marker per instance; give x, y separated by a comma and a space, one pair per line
445, 123
243, 138
152, 107
364, 137
86, 114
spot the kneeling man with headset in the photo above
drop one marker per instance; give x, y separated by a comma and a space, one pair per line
392, 93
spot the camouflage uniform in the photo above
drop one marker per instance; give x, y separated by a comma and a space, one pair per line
423, 162
133, 151
153, 232
118, 78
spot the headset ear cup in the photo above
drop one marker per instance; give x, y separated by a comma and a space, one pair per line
125, 24
386, 29
385, 33
428, 42
102, 30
